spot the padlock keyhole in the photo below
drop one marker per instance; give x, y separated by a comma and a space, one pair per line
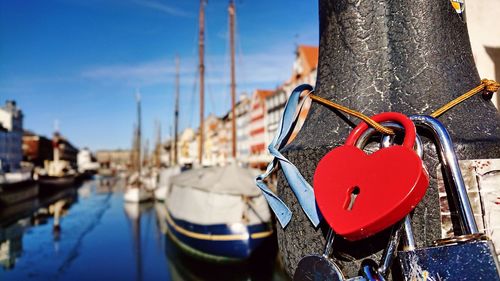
354, 193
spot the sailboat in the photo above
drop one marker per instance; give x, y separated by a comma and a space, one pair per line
166, 174
217, 213
136, 188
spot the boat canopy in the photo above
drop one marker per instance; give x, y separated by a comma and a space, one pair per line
231, 179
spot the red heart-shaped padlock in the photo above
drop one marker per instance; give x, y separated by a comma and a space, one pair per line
360, 194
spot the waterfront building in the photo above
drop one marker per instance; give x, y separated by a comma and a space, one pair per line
211, 147
224, 139
259, 157
36, 148
304, 71
167, 153
275, 104
11, 136
187, 147
66, 150
118, 159
242, 111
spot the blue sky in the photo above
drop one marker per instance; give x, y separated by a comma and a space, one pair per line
81, 61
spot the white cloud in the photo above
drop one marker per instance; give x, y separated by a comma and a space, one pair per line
170, 10
252, 69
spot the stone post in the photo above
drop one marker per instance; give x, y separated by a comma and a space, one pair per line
409, 56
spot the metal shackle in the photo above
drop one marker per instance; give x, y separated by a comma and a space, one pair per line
451, 169
405, 225
409, 242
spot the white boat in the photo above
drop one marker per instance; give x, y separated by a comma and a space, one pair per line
86, 163
164, 182
138, 189
137, 195
218, 213
57, 173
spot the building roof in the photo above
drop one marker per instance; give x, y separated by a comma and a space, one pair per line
262, 94
310, 54
307, 57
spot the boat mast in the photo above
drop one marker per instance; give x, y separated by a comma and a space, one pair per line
201, 55
158, 144
232, 12
176, 111
138, 148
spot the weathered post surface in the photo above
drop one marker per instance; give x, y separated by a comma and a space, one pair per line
409, 56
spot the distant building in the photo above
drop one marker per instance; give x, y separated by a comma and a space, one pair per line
275, 104
36, 148
242, 111
211, 141
187, 147
67, 151
304, 68
258, 154
304, 71
224, 139
118, 159
11, 136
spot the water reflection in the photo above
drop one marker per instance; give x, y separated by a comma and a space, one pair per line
11, 246
27, 214
184, 267
87, 232
134, 213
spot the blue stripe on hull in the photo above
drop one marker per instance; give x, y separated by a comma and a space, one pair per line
233, 249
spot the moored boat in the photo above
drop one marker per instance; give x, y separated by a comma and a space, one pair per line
16, 187
62, 181
164, 179
137, 195
57, 173
217, 213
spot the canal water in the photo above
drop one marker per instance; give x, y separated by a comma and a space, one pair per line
89, 233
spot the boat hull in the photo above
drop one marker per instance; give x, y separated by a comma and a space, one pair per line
161, 193
137, 195
218, 242
11, 193
49, 184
